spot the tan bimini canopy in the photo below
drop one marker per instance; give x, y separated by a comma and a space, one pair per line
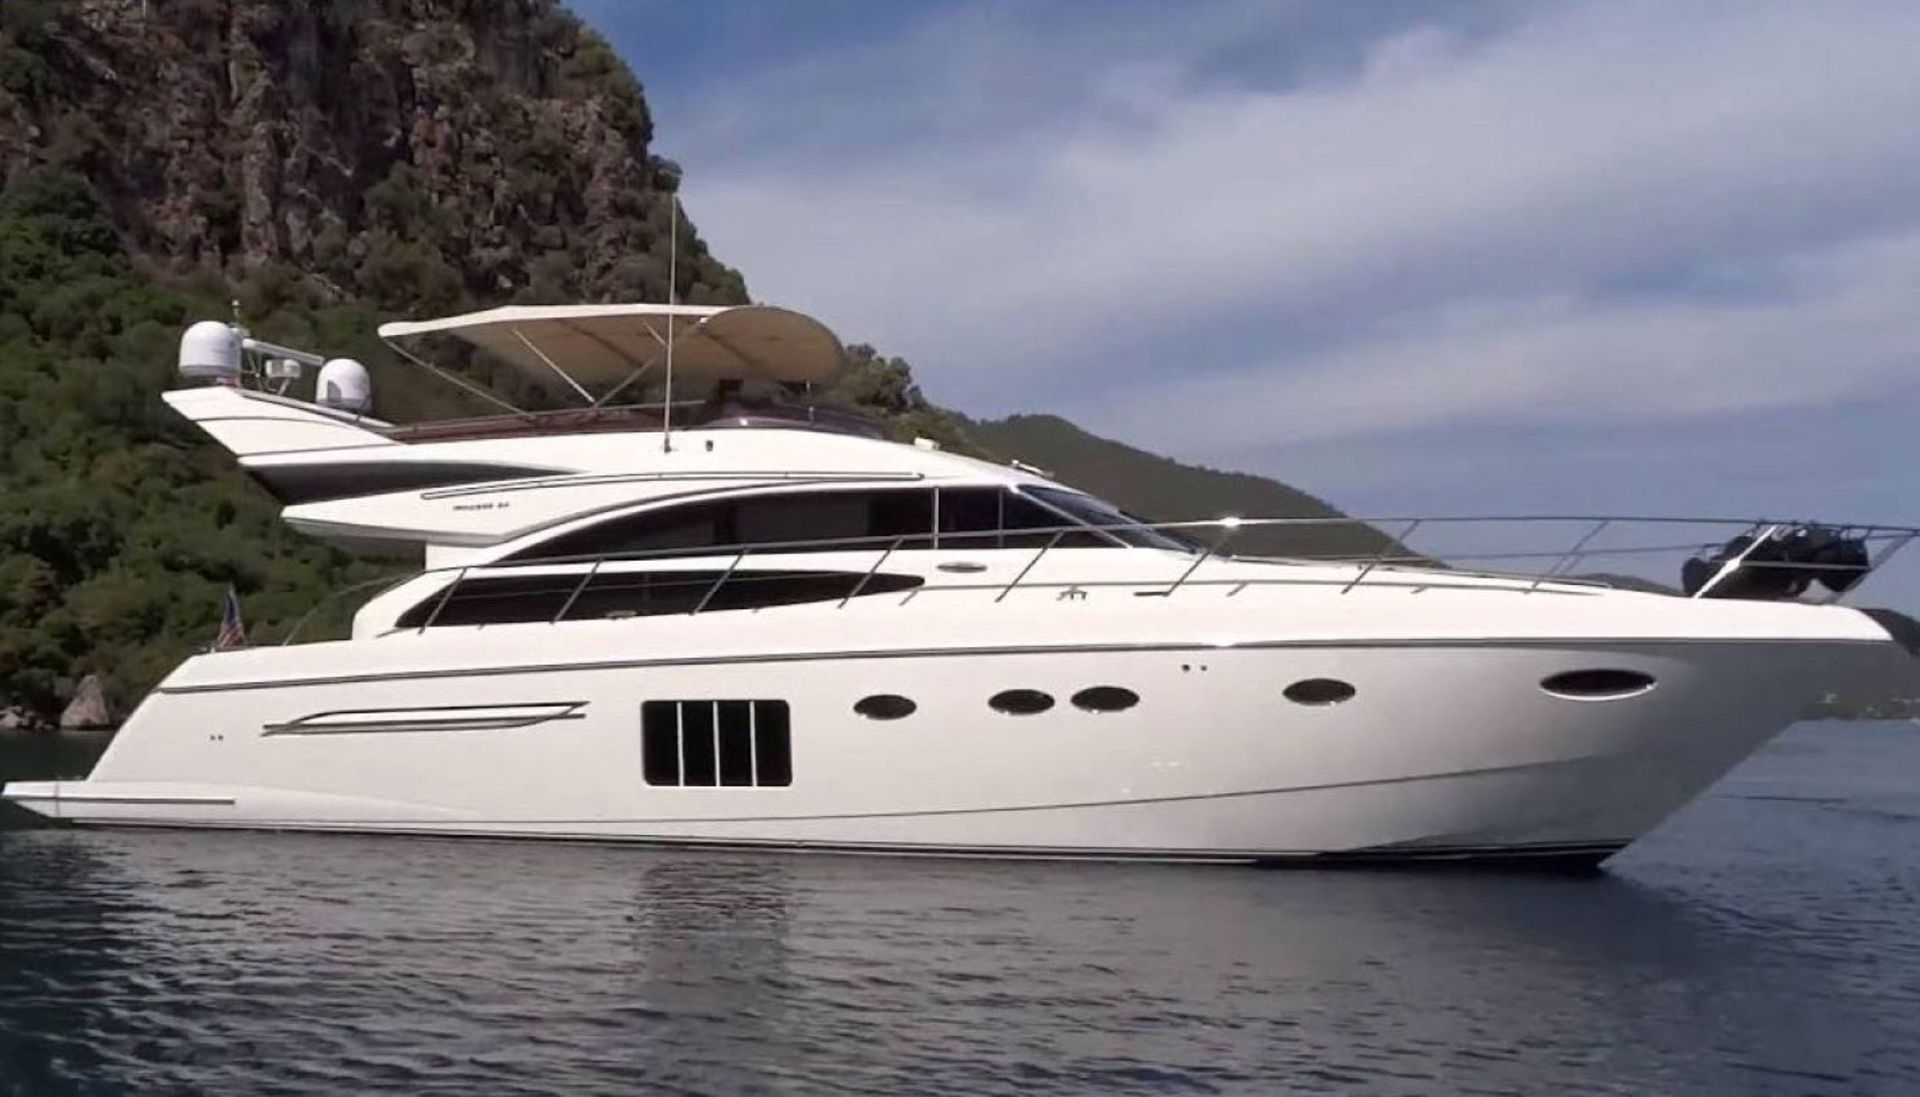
601, 346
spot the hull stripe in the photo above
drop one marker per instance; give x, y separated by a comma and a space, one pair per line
1012, 650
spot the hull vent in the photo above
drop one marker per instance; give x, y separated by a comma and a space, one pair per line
1597, 685
885, 706
1021, 702
1319, 692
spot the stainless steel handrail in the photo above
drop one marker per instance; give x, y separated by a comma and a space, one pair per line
1392, 562
1570, 555
445, 597
1048, 547
718, 583
1229, 527
1367, 570
872, 571
578, 589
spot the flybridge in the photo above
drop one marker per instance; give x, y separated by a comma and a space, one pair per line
367, 484
599, 353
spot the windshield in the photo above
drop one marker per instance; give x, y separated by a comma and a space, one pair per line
1095, 512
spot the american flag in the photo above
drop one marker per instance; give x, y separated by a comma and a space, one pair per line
233, 631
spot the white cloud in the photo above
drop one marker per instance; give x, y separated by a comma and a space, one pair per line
1603, 210
1839, 324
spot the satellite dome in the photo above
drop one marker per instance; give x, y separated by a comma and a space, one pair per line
210, 351
344, 384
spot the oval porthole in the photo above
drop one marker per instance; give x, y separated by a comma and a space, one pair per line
1318, 691
1105, 699
1597, 685
885, 706
1020, 702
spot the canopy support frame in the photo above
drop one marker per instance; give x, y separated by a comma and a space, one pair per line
563, 374
455, 379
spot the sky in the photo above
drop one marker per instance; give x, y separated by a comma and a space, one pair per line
1486, 257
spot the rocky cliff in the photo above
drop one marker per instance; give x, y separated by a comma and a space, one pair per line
417, 154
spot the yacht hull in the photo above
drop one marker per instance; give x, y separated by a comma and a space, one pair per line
1446, 751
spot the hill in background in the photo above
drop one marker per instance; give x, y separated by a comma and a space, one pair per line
1165, 490
325, 165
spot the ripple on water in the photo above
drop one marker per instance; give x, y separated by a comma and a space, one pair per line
1761, 943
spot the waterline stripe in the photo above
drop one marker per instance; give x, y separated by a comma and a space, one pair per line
1534, 851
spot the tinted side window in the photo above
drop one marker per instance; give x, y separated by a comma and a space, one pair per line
993, 518
866, 518
860, 516
522, 599
686, 526
1112, 519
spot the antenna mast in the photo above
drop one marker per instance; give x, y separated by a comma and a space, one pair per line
673, 278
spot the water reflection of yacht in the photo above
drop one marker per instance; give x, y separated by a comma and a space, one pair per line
754, 623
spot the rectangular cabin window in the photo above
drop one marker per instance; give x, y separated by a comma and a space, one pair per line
494, 599
734, 722
983, 518
699, 744
1111, 519
770, 523
684, 526
863, 519
744, 744
660, 742
823, 521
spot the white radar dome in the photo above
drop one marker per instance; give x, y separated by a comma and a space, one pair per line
210, 351
344, 384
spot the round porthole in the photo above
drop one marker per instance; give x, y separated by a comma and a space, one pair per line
1020, 702
1597, 685
1105, 699
1319, 692
885, 706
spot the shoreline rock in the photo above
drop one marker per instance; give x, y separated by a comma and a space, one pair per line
16, 718
89, 709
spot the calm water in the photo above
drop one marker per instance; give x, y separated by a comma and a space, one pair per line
1766, 941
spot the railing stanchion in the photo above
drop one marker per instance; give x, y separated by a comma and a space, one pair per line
1044, 549
720, 582
1571, 554
1875, 563
445, 597
871, 572
1381, 556
1228, 529
578, 589
301, 624
1733, 565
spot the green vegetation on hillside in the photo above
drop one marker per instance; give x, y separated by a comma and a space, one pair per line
120, 525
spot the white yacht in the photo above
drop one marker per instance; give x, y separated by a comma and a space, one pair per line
759, 625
